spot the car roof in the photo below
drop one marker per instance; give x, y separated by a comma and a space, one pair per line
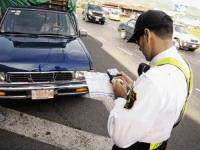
179, 24
90, 4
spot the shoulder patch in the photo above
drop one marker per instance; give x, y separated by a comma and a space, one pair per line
131, 98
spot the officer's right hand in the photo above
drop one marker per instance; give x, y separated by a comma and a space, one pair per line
119, 88
126, 79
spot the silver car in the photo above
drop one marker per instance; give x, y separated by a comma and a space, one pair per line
183, 39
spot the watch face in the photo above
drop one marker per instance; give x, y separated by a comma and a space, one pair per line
113, 72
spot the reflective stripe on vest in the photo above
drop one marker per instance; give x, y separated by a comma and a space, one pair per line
154, 146
189, 79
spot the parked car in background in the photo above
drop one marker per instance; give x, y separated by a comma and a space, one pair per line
115, 14
126, 29
42, 55
94, 13
183, 39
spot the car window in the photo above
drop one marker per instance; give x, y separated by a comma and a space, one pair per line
131, 23
95, 7
37, 22
180, 29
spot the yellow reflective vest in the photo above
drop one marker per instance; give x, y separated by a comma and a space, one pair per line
188, 77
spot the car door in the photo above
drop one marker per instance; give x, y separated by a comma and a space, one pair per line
130, 28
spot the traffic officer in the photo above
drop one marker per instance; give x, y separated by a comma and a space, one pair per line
145, 112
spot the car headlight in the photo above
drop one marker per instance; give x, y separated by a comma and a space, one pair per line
184, 43
90, 12
2, 76
79, 75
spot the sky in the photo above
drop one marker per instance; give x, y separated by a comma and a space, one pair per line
194, 3
167, 4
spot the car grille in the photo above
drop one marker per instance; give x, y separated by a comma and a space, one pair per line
97, 14
194, 41
39, 77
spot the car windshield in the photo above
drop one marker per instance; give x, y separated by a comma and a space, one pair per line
31, 21
95, 7
180, 29
116, 12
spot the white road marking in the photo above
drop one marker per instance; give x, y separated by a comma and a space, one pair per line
125, 51
102, 39
52, 133
112, 26
197, 89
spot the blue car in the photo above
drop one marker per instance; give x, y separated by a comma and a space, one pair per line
41, 55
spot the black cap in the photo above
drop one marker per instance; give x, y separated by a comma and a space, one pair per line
150, 19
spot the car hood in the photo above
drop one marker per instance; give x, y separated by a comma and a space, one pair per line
186, 37
97, 11
42, 54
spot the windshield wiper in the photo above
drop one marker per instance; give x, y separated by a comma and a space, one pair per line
20, 34
57, 35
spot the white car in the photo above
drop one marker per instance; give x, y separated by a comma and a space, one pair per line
115, 15
183, 39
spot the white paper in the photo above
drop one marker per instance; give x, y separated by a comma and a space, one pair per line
99, 84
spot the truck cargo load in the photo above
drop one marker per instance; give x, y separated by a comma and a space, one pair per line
69, 5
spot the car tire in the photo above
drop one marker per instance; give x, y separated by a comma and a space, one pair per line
123, 34
192, 49
102, 22
177, 44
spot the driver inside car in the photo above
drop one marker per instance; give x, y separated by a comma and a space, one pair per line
51, 25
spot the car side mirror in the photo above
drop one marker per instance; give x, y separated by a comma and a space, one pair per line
83, 33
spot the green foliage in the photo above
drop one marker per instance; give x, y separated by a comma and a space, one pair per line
4, 4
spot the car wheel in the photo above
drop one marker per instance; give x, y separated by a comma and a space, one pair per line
192, 49
123, 34
177, 44
102, 22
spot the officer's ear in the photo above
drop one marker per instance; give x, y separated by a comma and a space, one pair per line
147, 35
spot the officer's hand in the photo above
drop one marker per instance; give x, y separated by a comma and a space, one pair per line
126, 79
119, 88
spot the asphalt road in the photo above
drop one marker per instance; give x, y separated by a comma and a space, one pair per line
90, 115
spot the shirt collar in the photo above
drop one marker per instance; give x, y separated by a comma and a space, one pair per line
170, 52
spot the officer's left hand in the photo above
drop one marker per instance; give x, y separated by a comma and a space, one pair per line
119, 88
